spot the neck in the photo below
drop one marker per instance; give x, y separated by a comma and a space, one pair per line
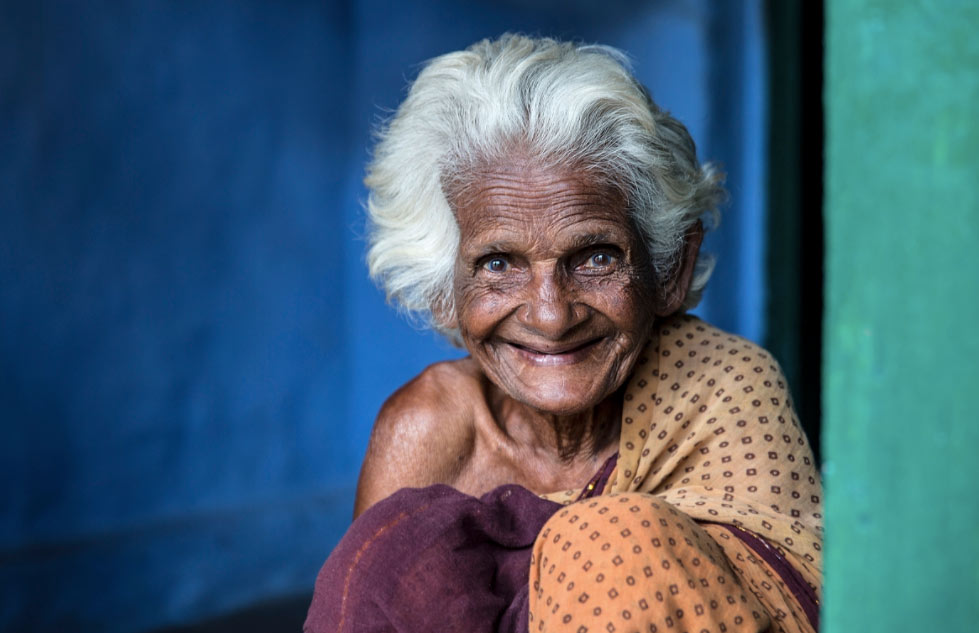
581, 436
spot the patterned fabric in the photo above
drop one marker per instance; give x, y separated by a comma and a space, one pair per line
709, 439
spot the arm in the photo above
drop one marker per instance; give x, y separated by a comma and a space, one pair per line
423, 435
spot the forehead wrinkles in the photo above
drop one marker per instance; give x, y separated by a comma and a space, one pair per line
539, 201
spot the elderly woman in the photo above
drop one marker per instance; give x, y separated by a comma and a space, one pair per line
601, 461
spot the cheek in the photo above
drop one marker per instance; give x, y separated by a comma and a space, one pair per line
480, 309
627, 303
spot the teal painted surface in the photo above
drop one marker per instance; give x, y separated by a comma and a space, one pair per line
901, 364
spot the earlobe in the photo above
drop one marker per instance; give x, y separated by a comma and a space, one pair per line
674, 291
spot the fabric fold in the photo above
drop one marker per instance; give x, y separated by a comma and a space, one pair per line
432, 559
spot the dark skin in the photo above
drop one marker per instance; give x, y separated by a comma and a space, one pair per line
554, 301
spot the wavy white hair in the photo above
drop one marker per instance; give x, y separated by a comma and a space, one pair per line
563, 104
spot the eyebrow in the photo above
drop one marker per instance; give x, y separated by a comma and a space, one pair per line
593, 239
493, 248
578, 242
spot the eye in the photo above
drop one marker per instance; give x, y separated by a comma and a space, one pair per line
496, 265
599, 261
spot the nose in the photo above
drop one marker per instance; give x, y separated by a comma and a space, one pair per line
550, 305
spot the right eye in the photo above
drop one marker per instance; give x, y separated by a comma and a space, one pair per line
496, 265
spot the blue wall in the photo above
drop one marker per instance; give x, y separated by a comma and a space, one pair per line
190, 352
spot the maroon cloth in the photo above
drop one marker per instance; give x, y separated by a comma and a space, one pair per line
432, 559
805, 594
597, 484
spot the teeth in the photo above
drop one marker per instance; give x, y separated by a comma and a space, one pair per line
555, 353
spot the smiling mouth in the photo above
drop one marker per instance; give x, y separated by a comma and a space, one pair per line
556, 354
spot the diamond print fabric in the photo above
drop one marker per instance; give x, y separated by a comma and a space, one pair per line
708, 437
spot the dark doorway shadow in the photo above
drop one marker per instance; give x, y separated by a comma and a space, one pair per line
795, 201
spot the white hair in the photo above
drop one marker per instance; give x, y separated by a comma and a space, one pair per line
563, 104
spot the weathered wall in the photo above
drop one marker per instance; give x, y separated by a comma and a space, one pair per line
902, 342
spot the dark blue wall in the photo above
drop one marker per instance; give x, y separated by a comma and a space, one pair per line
190, 352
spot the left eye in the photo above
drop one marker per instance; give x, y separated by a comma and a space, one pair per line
598, 261
497, 265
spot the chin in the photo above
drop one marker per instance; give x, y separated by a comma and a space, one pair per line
561, 400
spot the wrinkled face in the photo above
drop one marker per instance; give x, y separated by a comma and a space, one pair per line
554, 291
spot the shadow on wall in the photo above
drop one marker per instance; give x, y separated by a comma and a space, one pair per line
285, 614
191, 355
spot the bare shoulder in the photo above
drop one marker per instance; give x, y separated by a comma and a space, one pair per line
424, 433
431, 410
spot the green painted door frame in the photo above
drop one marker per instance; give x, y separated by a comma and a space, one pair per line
901, 329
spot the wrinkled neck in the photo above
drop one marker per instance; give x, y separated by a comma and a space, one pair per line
568, 438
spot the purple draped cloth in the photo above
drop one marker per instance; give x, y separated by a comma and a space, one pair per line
432, 560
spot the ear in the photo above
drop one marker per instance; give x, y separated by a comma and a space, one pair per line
674, 290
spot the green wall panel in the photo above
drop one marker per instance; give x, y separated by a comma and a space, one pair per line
901, 362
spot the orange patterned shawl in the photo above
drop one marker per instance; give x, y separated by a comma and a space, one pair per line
708, 426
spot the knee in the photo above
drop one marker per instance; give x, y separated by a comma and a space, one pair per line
631, 557
632, 524
634, 535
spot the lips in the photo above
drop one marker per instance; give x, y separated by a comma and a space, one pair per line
551, 354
